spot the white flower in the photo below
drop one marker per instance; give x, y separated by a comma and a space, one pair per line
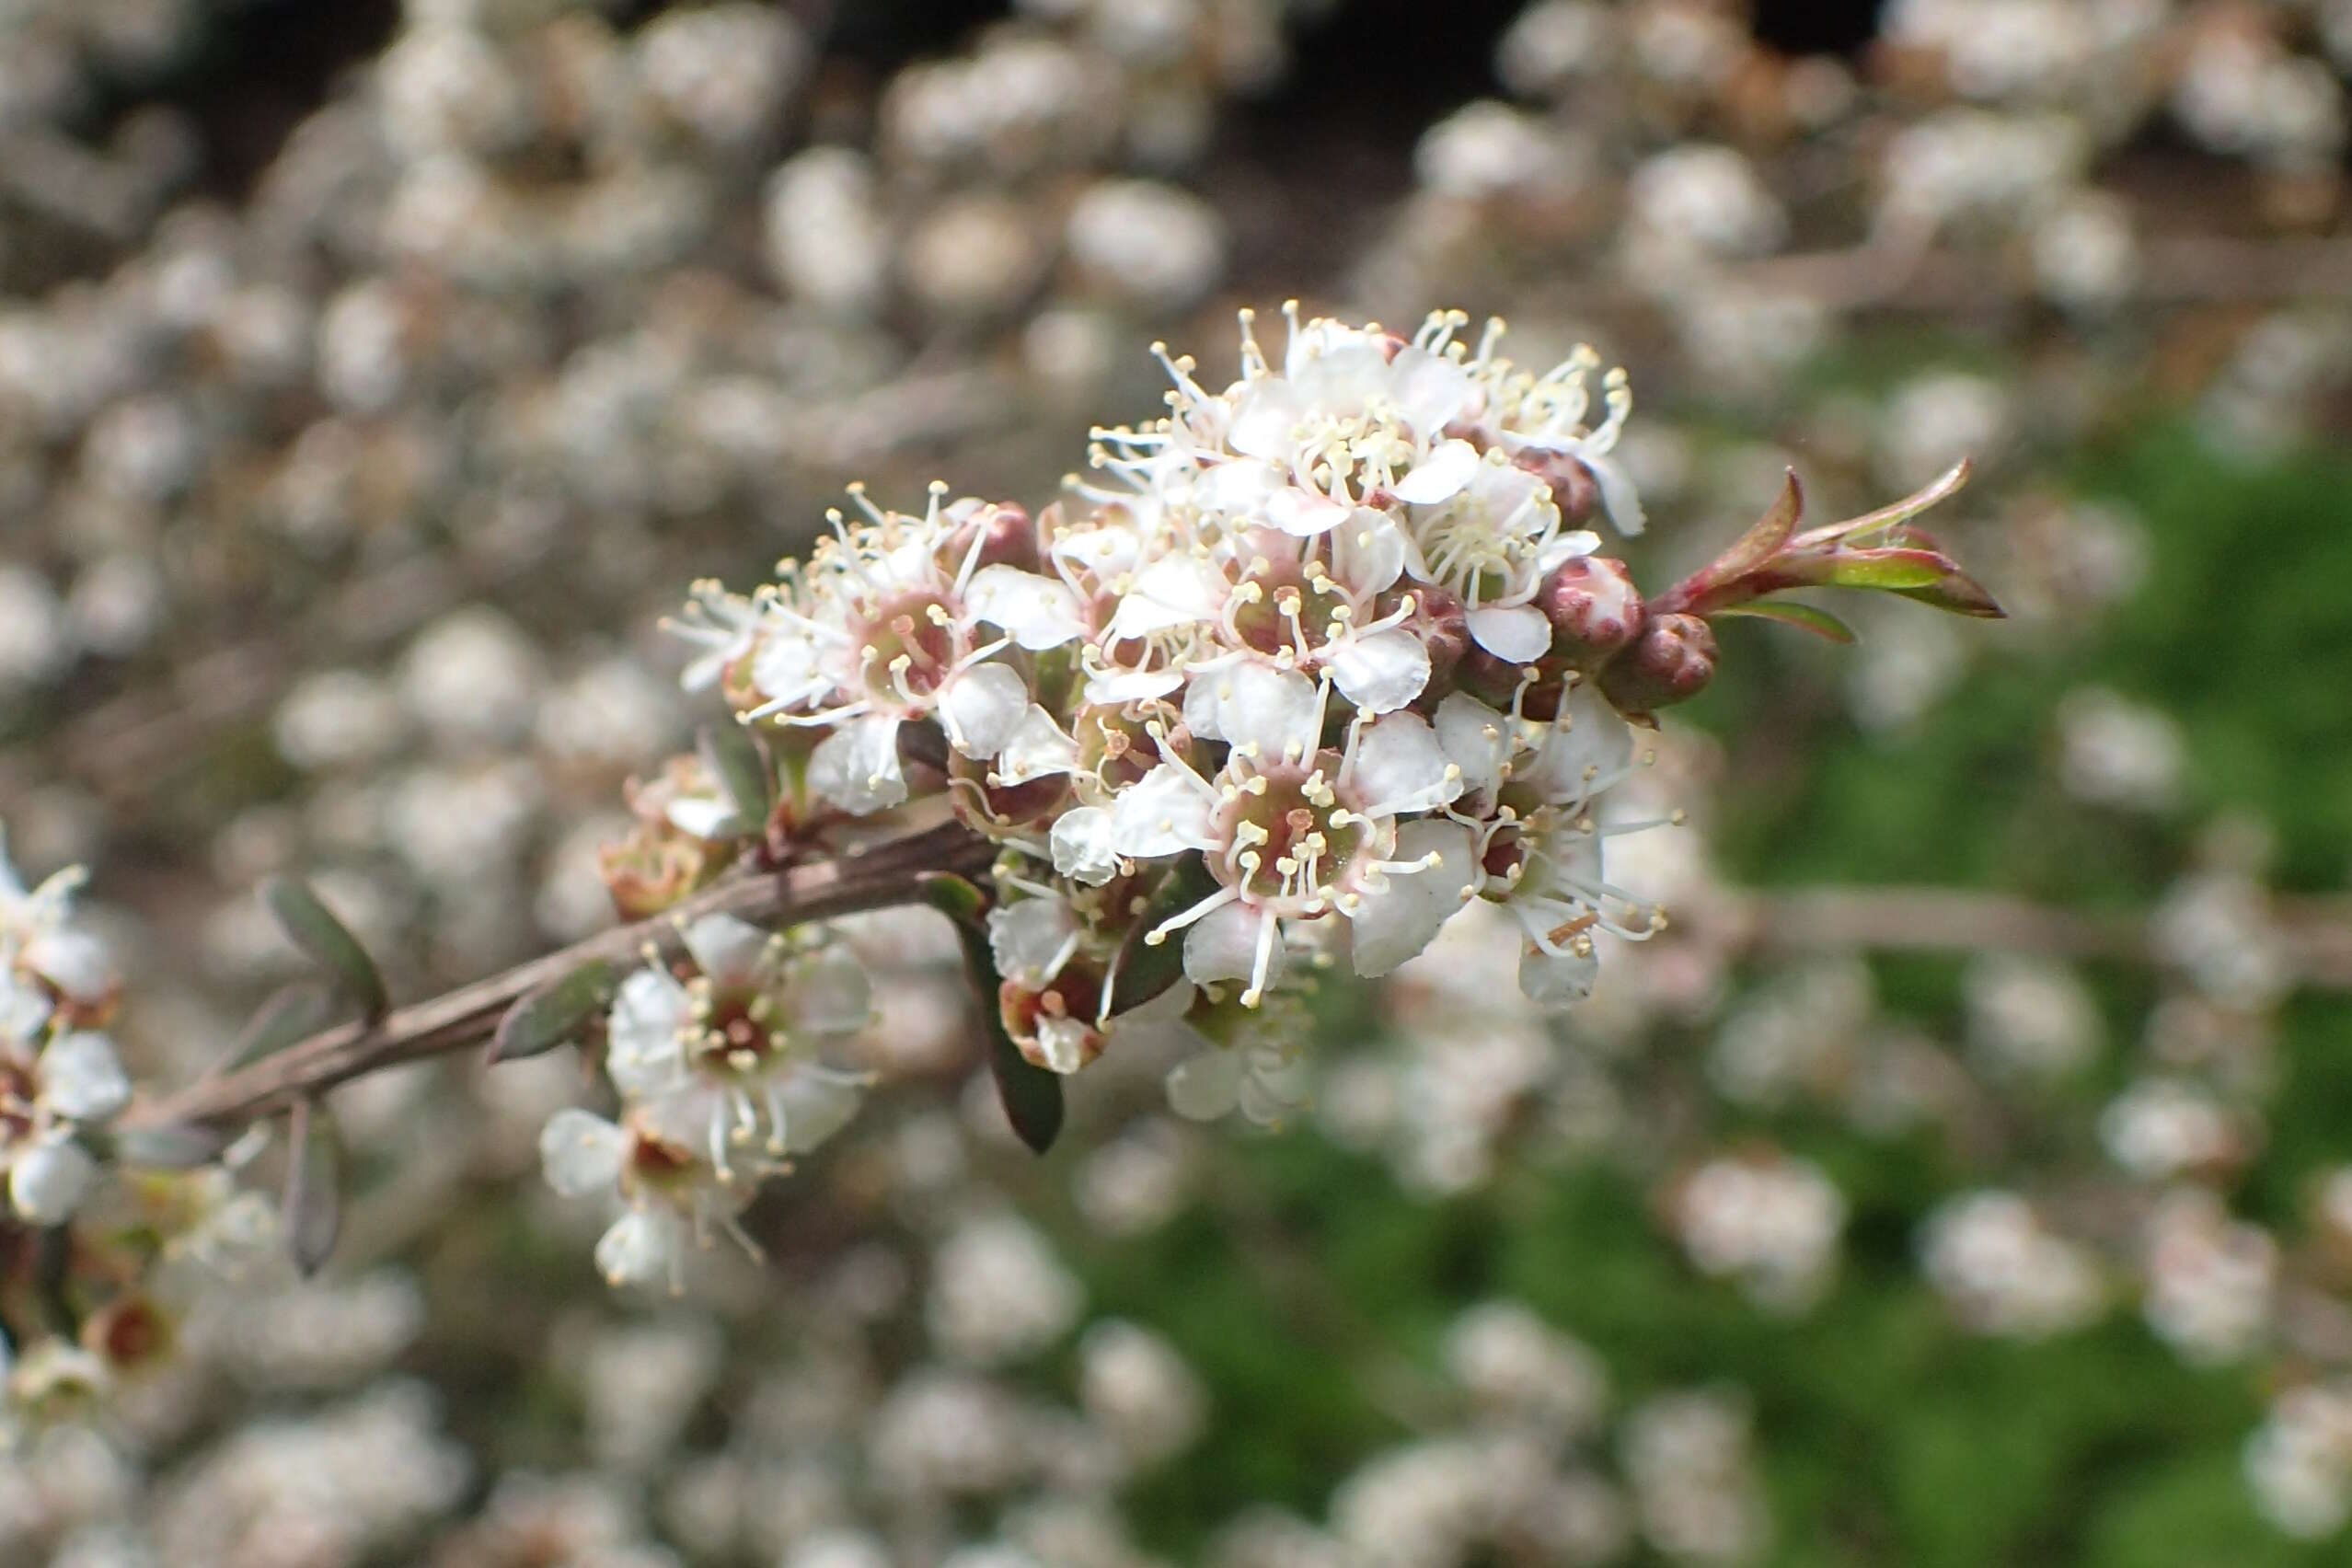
48, 1180
81, 1079
731, 1053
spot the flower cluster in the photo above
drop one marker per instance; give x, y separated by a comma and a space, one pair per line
716, 1062
103, 1235
1306, 666
1312, 662
59, 1074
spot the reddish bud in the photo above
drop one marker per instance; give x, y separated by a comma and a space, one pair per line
1595, 610
1008, 536
1574, 489
1672, 661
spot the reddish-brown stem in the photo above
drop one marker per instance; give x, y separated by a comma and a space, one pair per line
872, 877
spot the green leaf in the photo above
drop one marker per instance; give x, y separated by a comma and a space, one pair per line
1820, 622
1898, 570
1143, 969
292, 1014
1031, 1095
313, 1206
737, 761
556, 1014
1960, 594
328, 943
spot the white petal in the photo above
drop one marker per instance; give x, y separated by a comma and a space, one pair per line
828, 991
730, 951
1595, 745
1276, 710
1401, 767
1619, 498
1266, 420
1223, 946
1431, 390
703, 816
82, 1078
1115, 688
1062, 1042
1573, 545
642, 1247
1476, 739
1203, 701
1027, 937
1369, 551
582, 1153
1035, 748
1382, 671
981, 707
1164, 813
47, 1182
818, 1103
1441, 476
1557, 982
641, 1047
74, 962
1083, 847
1105, 551
1304, 513
1396, 917
24, 1008
1203, 1088
1518, 634
1036, 612
856, 769
1241, 487
1177, 590
784, 667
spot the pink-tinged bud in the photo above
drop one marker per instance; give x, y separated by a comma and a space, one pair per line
1595, 610
1671, 662
1438, 620
1007, 537
1574, 489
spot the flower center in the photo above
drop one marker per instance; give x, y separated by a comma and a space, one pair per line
1290, 842
909, 645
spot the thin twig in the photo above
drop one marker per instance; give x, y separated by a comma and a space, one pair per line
879, 875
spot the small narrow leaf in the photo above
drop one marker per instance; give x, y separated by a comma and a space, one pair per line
313, 1208
328, 942
1896, 571
1944, 487
291, 1013
958, 898
176, 1146
1031, 1096
737, 762
1143, 969
558, 1013
1762, 541
1820, 622
1960, 594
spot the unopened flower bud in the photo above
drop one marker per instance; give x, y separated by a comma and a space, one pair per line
1574, 489
1007, 534
1671, 662
1595, 610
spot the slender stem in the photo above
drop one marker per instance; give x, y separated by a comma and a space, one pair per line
872, 877
2315, 935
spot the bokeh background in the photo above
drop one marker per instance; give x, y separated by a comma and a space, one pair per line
1967, 1177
